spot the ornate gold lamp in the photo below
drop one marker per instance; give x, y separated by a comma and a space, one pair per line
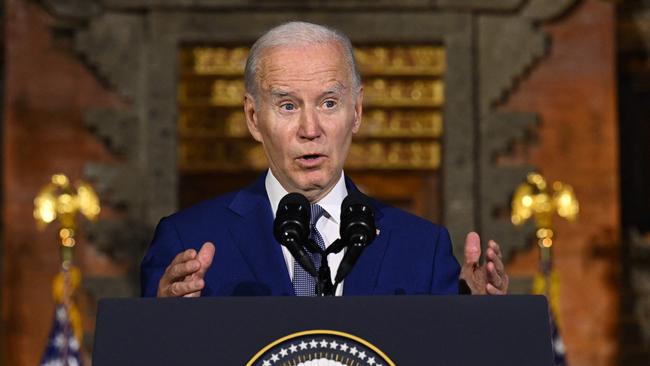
59, 200
534, 199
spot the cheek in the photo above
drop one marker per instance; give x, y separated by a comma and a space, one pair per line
342, 135
278, 144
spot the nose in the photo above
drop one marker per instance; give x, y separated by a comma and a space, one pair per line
310, 128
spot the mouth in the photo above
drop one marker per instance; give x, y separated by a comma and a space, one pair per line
310, 160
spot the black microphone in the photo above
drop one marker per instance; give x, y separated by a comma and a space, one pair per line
291, 228
357, 231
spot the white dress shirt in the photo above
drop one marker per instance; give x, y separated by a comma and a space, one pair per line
327, 225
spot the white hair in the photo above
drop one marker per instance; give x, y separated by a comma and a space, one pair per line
298, 33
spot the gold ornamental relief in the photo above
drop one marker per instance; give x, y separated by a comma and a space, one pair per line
401, 123
227, 93
214, 60
394, 155
390, 92
401, 61
206, 155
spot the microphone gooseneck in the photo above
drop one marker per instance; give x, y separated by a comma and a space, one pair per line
357, 230
291, 228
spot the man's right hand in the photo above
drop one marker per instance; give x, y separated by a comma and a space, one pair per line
184, 276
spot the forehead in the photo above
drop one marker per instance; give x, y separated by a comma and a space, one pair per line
302, 65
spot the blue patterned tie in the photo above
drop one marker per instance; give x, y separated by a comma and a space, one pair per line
303, 283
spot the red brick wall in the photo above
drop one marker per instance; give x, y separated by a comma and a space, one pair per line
574, 92
47, 89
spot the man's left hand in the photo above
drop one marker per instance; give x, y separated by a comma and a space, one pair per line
489, 278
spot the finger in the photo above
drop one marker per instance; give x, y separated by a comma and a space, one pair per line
184, 256
497, 249
205, 256
493, 257
183, 288
182, 270
493, 290
493, 277
472, 248
193, 294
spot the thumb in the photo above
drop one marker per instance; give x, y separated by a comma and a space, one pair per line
472, 248
205, 256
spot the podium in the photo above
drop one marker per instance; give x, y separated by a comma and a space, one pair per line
359, 331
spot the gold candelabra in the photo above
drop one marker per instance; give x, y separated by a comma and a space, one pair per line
60, 200
535, 199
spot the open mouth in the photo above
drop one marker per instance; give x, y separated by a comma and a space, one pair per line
311, 156
311, 160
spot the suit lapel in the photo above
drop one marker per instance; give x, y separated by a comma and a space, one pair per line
362, 280
254, 236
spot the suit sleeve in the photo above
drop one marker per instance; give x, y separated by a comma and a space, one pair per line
445, 266
165, 245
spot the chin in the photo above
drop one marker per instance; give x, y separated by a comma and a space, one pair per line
313, 181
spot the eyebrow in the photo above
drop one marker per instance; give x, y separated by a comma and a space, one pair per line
338, 88
279, 93
276, 93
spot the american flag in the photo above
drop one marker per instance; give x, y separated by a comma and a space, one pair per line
62, 346
547, 283
559, 355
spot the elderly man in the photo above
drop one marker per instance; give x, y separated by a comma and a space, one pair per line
303, 102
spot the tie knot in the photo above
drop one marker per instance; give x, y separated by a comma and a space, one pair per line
316, 212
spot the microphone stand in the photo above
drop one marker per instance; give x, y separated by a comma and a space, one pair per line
325, 275
324, 286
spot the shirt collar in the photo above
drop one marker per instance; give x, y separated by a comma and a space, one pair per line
331, 202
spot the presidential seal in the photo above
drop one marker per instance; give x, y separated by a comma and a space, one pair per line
320, 348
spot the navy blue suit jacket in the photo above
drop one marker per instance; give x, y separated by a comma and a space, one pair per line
409, 256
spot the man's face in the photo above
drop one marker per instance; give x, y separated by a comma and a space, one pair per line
304, 115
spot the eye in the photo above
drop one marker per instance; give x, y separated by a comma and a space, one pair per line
288, 106
329, 104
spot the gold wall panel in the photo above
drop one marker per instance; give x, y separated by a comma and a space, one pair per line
401, 128
401, 123
401, 61
394, 155
214, 60
390, 92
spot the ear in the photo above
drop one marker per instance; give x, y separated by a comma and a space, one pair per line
358, 110
251, 117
